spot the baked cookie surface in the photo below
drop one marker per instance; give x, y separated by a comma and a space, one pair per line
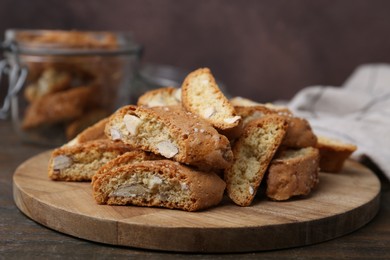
159, 183
293, 173
172, 133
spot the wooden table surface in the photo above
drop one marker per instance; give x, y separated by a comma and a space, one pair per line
22, 238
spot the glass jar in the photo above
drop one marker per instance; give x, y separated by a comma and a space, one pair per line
60, 82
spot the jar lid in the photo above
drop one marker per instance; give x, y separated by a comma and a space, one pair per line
70, 43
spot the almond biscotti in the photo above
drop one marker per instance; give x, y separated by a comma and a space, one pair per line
80, 162
168, 96
253, 152
160, 183
126, 158
50, 81
202, 96
293, 173
58, 107
333, 153
172, 133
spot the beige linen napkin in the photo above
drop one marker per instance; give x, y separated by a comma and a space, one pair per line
357, 112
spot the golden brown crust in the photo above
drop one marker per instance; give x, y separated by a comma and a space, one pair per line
333, 153
80, 162
253, 152
94, 132
173, 133
89, 119
293, 173
299, 134
202, 96
161, 183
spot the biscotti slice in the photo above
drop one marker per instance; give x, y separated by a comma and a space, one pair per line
202, 96
168, 96
161, 183
253, 152
333, 153
58, 107
50, 81
126, 158
80, 162
172, 133
293, 173
94, 132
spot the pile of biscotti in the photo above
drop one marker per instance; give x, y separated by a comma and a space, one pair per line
184, 148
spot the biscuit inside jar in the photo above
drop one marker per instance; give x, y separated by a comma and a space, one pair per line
51, 111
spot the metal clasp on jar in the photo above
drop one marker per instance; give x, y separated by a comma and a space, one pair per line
16, 76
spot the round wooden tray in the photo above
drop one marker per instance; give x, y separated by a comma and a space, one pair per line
341, 204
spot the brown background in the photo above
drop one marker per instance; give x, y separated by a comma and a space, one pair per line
265, 50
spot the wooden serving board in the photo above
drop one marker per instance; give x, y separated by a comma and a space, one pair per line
342, 203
